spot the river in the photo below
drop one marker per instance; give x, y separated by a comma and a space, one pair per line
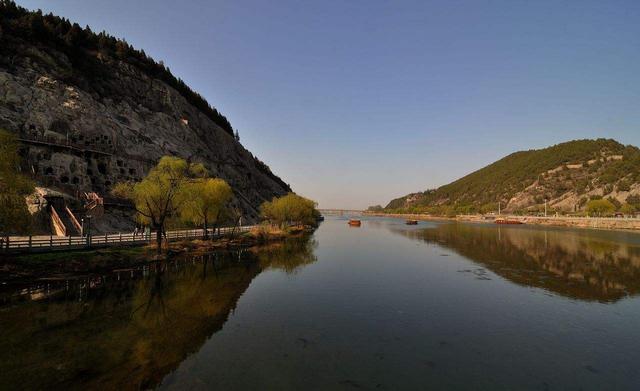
383, 306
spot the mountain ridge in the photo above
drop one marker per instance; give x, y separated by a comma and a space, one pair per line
567, 175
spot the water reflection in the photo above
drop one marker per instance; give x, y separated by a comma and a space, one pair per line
130, 328
290, 255
585, 265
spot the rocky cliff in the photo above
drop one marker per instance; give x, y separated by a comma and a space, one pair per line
89, 118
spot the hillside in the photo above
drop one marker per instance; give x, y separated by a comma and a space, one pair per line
92, 111
568, 175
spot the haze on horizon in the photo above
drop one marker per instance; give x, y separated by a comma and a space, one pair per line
357, 103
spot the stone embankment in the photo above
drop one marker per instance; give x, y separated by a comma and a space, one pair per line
613, 223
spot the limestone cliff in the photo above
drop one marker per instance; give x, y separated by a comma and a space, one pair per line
85, 128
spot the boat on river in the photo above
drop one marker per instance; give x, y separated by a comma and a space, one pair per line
411, 222
355, 223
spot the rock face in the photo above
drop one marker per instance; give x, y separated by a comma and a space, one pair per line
84, 134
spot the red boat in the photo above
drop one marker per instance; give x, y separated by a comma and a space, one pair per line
355, 223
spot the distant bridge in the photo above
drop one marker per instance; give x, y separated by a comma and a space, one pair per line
339, 211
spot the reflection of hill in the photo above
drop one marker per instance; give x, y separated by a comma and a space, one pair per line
572, 264
127, 334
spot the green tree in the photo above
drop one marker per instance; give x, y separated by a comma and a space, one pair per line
290, 209
204, 201
489, 207
628, 209
155, 196
14, 187
600, 207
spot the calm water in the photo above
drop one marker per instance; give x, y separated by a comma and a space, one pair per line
384, 306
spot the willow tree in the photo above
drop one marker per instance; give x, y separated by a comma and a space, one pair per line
14, 187
156, 196
290, 209
204, 201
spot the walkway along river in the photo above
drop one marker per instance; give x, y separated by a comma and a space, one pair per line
56, 243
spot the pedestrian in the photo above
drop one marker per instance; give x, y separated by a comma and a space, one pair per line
135, 231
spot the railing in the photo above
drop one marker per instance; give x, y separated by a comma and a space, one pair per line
93, 198
53, 243
54, 141
58, 225
113, 150
82, 147
75, 222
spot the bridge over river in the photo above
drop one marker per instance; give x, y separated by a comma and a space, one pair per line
339, 211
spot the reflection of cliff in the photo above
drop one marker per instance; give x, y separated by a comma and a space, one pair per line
129, 333
576, 265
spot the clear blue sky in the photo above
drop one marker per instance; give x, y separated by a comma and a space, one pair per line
356, 102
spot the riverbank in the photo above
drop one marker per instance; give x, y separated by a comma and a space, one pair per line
608, 223
258, 235
57, 265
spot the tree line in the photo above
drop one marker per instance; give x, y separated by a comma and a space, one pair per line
177, 191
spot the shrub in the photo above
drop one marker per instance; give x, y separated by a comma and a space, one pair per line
615, 202
600, 207
634, 200
628, 209
624, 185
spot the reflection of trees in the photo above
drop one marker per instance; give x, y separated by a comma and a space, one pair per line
581, 265
129, 333
289, 255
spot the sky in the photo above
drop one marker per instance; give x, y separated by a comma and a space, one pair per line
354, 103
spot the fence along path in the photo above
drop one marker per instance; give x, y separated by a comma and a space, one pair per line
57, 243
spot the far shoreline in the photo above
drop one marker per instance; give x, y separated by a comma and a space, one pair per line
601, 223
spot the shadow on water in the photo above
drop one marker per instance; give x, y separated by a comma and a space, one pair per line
585, 265
129, 329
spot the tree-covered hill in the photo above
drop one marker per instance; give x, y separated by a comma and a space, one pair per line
93, 55
567, 175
